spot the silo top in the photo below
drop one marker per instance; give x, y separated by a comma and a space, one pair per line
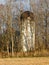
26, 15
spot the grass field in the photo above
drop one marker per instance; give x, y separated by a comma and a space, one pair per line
25, 61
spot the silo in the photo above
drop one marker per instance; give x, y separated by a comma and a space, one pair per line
27, 31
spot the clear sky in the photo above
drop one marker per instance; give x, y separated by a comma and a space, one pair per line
2, 1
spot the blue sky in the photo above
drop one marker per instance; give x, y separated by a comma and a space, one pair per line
2, 1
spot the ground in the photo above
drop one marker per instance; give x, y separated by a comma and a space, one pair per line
25, 61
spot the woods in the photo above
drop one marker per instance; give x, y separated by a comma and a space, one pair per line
12, 20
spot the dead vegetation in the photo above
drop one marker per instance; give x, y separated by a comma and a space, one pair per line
25, 61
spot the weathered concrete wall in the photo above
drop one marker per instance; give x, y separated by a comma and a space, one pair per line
28, 34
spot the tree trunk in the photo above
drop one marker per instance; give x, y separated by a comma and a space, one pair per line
12, 46
8, 50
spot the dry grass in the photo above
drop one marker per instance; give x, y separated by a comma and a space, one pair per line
25, 61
